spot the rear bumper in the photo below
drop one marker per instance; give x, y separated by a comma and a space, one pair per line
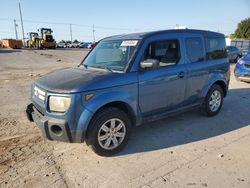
53, 128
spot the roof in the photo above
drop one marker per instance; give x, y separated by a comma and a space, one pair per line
151, 33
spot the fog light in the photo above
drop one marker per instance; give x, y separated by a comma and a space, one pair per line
56, 130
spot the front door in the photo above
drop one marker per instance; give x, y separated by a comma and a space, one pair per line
163, 88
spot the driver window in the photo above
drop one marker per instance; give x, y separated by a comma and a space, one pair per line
167, 52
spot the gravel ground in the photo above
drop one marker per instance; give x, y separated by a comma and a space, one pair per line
188, 150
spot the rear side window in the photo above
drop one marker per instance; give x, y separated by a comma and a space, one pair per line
194, 49
230, 48
216, 48
234, 48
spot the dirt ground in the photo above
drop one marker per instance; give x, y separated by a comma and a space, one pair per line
188, 150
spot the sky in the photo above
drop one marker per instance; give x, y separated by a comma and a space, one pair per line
111, 17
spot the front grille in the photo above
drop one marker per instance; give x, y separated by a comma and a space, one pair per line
39, 93
247, 66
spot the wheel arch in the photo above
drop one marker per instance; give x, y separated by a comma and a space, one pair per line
219, 81
122, 106
125, 107
223, 86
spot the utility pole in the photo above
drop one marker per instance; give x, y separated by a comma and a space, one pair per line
71, 32
93, 33
21, 17
15, 26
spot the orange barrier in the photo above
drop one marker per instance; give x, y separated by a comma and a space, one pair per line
12, 43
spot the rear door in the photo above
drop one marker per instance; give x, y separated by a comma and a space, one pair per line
197, 68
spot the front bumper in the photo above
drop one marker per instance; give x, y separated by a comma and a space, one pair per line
244, 78
53, 128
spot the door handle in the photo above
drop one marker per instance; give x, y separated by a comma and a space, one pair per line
181, 74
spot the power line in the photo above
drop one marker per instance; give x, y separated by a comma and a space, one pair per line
10, 32
42, 22
6, 19
104, 27
93, 28
73, 24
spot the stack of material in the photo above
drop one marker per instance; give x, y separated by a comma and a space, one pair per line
12, 43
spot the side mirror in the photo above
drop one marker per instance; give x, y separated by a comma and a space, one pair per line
150, 63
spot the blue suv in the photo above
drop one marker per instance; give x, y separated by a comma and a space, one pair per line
128, 80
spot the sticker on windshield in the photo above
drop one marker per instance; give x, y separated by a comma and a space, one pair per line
129, 43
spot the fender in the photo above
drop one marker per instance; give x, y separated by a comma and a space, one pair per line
127, 94
82, 125
214, 77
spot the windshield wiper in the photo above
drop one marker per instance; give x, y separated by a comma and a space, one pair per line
109, 69
103, 67
86, 66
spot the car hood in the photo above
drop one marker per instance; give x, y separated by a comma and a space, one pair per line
80, 79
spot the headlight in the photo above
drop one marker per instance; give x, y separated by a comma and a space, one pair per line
241, 62
59, 104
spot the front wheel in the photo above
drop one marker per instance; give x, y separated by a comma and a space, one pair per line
109, 131
236, 59
213, 101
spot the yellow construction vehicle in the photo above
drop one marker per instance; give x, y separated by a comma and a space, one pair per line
46, 39
33, 41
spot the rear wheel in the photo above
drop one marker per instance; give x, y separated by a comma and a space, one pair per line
214, 100
109, 131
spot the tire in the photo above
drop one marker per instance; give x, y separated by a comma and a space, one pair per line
102, 138
236, 59
214, 100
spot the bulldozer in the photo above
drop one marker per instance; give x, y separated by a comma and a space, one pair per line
46, 39
33, 41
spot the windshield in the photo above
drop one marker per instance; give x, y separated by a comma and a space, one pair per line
111, 55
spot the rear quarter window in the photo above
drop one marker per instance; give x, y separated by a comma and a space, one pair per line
216, 48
